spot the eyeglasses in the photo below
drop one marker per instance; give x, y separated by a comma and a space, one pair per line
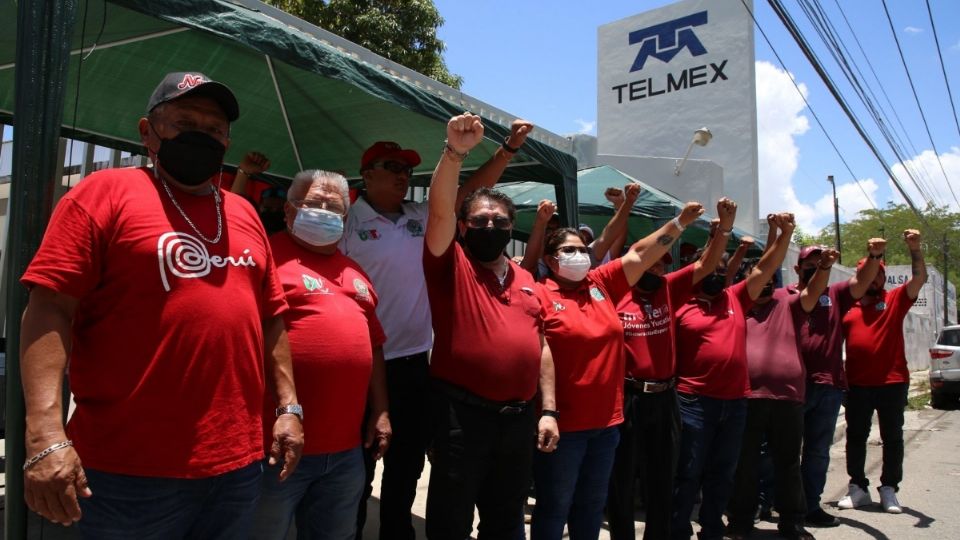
395, 167
480, 222
570, 250
331, 206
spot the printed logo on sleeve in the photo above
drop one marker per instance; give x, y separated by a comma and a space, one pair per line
363, 292
597, 294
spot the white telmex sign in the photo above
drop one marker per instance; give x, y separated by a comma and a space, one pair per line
664, 73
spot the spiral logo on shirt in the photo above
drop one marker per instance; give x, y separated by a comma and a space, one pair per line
184, 256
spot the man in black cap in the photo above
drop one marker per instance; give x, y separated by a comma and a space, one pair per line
160, 290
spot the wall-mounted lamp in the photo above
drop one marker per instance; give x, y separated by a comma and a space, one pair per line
701, 137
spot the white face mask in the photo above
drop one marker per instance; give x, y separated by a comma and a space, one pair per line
317, 227
573, 266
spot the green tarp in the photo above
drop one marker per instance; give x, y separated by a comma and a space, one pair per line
652, 209
298, 93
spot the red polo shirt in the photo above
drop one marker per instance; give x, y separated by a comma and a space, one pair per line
586, 339
712, 345
486, 335
874, 333
647, 321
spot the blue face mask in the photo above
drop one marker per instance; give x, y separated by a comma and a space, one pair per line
317, 227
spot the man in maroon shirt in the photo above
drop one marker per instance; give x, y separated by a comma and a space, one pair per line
821, 344
489, 357
775, 404
650, 432
712, 385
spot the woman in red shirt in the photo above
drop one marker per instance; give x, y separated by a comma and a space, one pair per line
586, 337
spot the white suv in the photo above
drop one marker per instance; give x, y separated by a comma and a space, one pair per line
945, 368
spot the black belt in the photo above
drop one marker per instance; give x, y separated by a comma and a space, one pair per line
469, 398
649, 387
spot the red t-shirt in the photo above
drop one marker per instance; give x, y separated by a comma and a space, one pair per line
773, 349
486, 335
648, 332
711, 345
333, 329
167, 359
875, 348
586, 339
821, 337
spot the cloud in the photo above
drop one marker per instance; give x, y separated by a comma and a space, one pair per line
955, 46
926, 170
850, 199
913, 30
587, 128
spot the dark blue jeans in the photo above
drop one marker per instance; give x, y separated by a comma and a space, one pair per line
572, 484
323, 493
820, 413
124, 507
710, 439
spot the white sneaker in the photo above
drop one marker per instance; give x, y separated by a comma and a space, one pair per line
888, 500
856, 497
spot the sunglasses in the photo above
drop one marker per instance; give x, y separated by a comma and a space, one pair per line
395, 167
480, 222
570, 250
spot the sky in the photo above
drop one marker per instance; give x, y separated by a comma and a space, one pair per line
537, 59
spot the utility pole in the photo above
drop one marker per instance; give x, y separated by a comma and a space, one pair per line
836, 217
946, 301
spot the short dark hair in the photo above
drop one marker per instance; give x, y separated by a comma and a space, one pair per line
491, 194
558, 237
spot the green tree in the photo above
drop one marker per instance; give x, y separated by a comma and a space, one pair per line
889, 223
404, 31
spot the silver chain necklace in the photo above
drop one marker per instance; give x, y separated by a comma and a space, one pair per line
216, 202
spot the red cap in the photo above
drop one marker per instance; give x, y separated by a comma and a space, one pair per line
808, 251
386, 150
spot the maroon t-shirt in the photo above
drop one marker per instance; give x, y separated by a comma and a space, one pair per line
821, 337
773, 349
712, 345
486, 335
647, 321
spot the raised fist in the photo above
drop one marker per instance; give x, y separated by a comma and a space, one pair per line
876, 246
464, 132
545, 210
519, 130
630, 193
828, 257
254, 163
615, 196
691, 211
912, 238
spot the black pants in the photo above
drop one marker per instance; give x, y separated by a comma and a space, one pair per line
781, 422
649, 437
408, 389
478, 458
889, 402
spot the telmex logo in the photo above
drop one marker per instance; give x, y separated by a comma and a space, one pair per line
665, 40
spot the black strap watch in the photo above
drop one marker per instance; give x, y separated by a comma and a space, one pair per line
293, 408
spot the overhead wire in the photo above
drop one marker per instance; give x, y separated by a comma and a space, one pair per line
916, 98
807, 104
832, 88
946, 81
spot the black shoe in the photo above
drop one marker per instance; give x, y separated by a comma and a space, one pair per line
820, 518
736, 533
795, 532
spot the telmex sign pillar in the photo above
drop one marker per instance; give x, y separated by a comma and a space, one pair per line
664, 73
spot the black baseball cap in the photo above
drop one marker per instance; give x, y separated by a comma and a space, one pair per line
193, 83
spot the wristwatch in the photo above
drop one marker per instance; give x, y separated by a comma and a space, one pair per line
293, 408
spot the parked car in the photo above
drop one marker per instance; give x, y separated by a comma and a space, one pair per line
945, 368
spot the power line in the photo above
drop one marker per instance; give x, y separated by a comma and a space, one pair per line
917, 99
805, 102
831, 87
946, 81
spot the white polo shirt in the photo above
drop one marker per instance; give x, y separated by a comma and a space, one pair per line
392, 255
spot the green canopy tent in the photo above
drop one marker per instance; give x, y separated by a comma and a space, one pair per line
652, 209
309, 99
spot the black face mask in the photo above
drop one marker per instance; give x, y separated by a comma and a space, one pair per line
767, 290
273, 221
807, 274
486, 244
649, 282
873, 292
713, 284
191, 157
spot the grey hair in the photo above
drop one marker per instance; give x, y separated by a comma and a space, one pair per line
304, 180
